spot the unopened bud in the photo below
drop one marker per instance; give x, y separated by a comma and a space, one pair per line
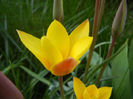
58, 12
120, 19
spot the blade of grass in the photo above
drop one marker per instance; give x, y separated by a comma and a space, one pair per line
34, 81
43, 80
14, 65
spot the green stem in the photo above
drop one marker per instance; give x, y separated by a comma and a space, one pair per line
94, 33
108, 55
60, 78
58, 12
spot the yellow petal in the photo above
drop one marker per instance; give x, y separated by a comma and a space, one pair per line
81, 31
33, 44
78, 62
93, 91
86, 95
105, 92
81, 47
50, 51
78, 87
57, 34
65, 67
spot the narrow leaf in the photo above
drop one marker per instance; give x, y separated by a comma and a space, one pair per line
131, 66
120, 70
43, 80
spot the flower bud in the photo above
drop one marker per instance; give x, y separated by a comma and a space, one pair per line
58, 12
120, 19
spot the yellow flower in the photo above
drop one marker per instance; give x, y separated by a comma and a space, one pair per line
58, 51
90, 92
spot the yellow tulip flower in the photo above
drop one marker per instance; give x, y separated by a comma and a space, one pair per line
58, 51
90, 92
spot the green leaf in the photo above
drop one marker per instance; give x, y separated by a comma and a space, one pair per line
34, 81
13, 65
43, 80
131, 65
96, 68
120, 70
106, 79
96, 59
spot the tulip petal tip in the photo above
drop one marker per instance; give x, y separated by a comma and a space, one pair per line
87, 20
18, 31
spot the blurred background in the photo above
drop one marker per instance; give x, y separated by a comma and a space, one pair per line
34, 17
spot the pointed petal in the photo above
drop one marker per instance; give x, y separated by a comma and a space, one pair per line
81, 31
105, 92
65, 67
57, 34
78, 87
86, 95
93, 91
33, 44
50, 51
81, 47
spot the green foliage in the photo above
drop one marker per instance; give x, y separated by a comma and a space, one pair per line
120, 71
95, 69
131, 65
34, 16
43, 80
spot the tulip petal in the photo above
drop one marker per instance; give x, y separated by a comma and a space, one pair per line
81, 31
57, 34
86, 95
65, 67
33, 44
93, 91
50, 51
105, 92
81, 47
78, 87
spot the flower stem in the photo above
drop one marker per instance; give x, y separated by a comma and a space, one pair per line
60, 78
58, 12
94, 34
108, 55
101, 12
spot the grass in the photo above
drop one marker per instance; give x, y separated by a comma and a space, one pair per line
34, 16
